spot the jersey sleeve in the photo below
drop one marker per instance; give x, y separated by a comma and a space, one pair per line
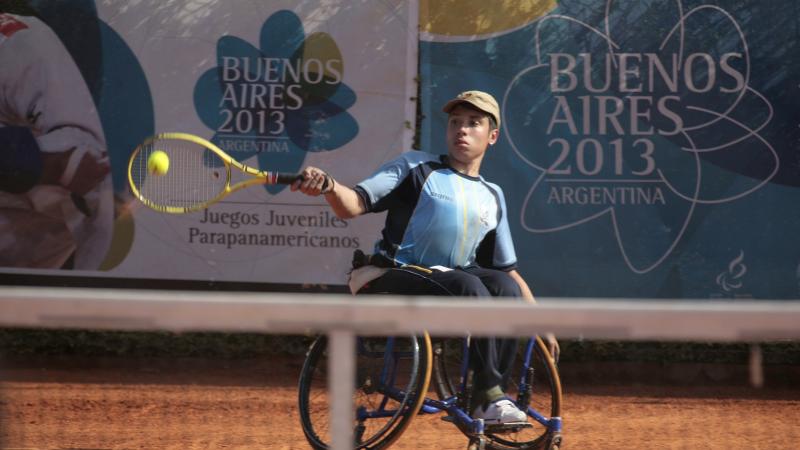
497, 248
387, 178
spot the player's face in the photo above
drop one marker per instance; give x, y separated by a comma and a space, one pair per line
469, 134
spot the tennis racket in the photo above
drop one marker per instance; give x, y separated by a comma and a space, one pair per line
199, 174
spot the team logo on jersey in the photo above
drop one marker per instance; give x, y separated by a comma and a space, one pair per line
441, 196
484, 216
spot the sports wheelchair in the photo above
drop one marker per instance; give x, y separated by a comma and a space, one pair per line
393, 378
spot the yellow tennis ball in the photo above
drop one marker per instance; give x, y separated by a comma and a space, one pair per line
158, 163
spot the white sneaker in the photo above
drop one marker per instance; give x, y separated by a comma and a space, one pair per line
500, 412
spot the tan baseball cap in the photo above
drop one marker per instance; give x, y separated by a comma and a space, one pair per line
478, 99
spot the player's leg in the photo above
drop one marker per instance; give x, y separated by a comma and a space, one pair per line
413, 280
492, 358
528, 377
534, 386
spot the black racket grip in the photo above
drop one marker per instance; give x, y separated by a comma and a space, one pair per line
289, 178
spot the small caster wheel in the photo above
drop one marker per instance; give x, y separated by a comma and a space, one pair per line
555, 443
478, 443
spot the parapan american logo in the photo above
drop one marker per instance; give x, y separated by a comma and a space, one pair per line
280, 99
629, 122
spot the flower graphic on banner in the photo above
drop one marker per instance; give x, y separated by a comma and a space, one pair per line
638, 119
279, 101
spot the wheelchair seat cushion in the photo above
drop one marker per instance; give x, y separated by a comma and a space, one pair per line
363, 275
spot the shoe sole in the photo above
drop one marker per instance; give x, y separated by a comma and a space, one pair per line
497, 422
510, 427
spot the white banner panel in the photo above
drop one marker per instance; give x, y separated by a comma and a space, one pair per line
278, 85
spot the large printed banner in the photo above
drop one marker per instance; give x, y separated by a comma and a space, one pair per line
649, 148
276, 84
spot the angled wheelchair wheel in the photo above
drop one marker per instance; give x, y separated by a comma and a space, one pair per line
392, 376
538, 391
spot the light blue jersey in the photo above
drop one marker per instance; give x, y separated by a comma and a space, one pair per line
438, 216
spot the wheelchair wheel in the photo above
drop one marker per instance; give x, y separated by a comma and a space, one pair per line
392, 376
541, 391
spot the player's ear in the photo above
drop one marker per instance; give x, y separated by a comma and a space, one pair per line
494, 134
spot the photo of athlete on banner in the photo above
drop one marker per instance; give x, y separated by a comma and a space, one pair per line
56, 207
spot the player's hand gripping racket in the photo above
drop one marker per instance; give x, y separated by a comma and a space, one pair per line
179, 173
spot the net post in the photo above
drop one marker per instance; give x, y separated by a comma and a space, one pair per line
341, 366
756, 366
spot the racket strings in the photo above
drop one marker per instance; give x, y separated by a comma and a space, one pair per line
195, 175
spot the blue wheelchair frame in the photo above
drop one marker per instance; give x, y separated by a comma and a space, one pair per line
474, 428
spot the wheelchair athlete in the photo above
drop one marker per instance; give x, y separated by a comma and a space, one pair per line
446, 233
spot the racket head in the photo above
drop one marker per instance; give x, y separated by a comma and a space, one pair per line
199, 173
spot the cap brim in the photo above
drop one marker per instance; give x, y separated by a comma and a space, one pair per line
452, 104
449, 106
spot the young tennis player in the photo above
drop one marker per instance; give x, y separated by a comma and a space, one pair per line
446, 233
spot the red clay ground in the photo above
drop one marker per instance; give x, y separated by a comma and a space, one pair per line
201, 404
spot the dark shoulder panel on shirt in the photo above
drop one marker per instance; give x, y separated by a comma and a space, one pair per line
407, 190
484, 255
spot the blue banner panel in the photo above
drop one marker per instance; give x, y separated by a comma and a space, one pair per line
648, 148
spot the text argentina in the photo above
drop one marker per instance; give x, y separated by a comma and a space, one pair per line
602, 195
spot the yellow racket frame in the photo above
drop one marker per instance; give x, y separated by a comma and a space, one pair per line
259, 177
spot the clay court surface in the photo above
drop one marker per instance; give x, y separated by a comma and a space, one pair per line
217, 404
